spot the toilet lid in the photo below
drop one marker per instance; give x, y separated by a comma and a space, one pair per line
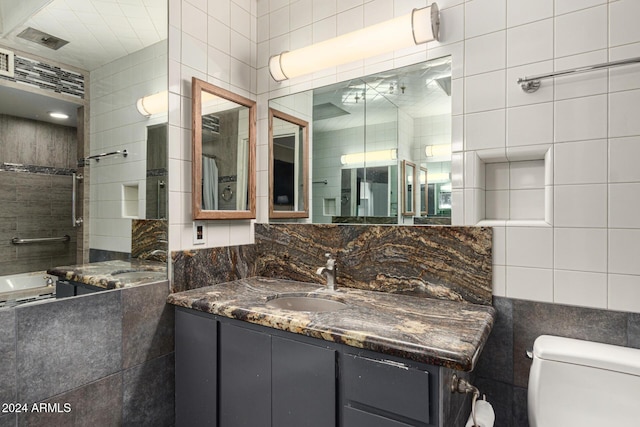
587, 353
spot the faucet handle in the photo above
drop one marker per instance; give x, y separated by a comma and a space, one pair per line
331, 261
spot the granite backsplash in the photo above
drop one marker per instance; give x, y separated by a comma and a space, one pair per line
149, 239
452, 263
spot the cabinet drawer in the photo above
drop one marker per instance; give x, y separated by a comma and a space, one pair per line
386, 386
356, 418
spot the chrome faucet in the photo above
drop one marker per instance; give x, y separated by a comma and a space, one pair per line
329, 271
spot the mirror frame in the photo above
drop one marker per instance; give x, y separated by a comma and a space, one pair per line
406, 164
304, 213
424, 194
197, 86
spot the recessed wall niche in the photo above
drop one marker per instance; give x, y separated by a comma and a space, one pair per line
130, 201
514, 188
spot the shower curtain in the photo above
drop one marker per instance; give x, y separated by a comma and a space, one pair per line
209, 183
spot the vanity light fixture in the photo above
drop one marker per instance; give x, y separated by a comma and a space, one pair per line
369, 156
419, 26
58, 115
438, 177
438, 150
153, 104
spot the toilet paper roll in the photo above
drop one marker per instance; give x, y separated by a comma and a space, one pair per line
484, 415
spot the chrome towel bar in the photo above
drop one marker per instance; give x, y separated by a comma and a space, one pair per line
532, 84
18, 241
97, 157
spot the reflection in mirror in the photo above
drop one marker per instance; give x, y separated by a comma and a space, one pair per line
157, 172
363, 126
223, 174
408, 188
369, 192
288, 165
96, 83
424, 195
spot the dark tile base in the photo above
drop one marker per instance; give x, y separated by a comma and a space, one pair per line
84, 409
503, 369
148, 393
73, 351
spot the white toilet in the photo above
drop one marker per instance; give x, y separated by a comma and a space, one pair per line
583, 384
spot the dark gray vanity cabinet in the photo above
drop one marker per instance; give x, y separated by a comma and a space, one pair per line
196, 349
231, 373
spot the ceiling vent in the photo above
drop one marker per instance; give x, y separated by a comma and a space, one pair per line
6, 63
42, 38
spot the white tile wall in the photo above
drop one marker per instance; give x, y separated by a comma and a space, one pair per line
582, 31
217, 41
117, 125
591, 121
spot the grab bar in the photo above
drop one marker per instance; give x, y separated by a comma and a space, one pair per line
74, 189
97, 157
532, 84
18, 241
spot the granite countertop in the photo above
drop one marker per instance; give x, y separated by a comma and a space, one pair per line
113, 274
436, 332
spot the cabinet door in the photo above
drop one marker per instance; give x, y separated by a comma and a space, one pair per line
303, 384
245, 377
196, 369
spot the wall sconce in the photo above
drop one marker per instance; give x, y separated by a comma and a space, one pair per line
438, 150
369, 156
419, 26
153, 104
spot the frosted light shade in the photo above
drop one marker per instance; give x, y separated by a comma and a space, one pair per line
153, 104
438, 150
438, 177
419, 26
369, 156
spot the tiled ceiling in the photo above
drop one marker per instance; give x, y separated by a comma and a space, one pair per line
98, 31
414, 90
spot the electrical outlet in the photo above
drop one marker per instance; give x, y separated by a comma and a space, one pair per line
199, 237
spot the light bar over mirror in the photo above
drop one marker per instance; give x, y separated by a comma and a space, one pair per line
419, 26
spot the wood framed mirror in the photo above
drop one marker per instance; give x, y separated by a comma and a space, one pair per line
288, 166
224, 153
424, 191
408, 188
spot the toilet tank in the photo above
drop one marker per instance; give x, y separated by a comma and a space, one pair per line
583, 384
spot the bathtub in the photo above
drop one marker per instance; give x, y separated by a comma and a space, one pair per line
26, 287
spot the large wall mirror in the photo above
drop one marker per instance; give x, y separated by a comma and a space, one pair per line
224, 152
361, 132
96, 79
288, 165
